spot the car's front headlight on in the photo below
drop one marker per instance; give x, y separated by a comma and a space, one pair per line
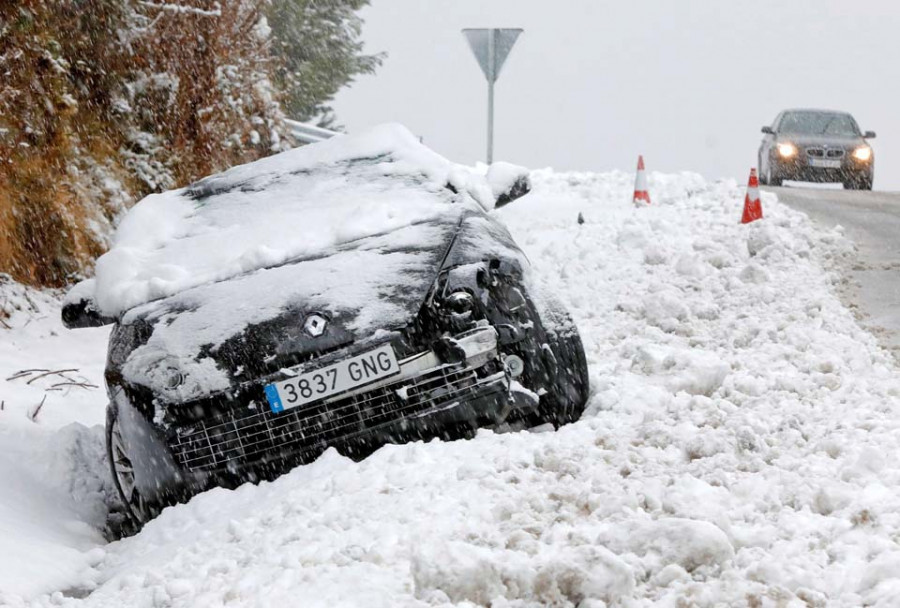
863, 153
787, 150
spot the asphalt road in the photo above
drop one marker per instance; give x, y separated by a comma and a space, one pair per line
872, 220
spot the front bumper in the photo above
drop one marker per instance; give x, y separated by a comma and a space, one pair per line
427, 397
802, 168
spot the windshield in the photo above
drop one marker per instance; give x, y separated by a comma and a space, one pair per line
818, 123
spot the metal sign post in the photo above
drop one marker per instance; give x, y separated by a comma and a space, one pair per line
491, 48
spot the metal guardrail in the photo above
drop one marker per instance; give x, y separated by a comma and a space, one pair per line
307, 133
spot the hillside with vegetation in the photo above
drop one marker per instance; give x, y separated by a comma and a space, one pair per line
102, 103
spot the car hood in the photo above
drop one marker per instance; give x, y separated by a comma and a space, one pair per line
215, 337
831, 141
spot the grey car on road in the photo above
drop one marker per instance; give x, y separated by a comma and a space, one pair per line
816, 146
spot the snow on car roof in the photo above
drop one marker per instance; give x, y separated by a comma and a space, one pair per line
815, 111
302, 202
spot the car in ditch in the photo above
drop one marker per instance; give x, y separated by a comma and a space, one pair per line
346, 295
816, 146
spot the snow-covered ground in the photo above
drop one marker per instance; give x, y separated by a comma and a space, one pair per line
739, 448
54, 480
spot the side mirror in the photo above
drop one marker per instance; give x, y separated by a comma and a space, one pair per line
508, 182
869, 134
79, 309
768, 130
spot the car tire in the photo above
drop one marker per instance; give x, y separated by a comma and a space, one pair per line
770, 179
859, 183
763, 178
137, 509
568, 393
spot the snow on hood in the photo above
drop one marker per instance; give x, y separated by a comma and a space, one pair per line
376, 283
298, 203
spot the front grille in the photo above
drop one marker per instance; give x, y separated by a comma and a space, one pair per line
825, 152
241, 437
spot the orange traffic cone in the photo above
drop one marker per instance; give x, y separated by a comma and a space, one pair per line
752, 206
641, 194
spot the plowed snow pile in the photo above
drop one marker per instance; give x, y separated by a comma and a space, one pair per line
739, 449
54, 478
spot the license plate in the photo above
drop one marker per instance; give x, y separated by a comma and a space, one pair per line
333, 379
825, 164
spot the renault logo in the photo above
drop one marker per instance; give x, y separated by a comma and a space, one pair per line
315, 325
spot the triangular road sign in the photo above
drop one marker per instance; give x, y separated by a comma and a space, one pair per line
491, 47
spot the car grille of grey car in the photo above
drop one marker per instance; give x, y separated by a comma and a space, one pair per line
825, 152
250, 436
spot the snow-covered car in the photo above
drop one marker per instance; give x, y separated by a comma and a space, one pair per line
348, 294
816, 146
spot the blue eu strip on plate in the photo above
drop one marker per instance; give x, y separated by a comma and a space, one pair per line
274, 399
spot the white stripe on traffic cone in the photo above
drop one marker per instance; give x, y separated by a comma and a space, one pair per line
641, 194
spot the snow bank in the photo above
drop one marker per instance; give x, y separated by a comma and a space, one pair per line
297, 203
739, 448
53, 507
54, 479
40, 360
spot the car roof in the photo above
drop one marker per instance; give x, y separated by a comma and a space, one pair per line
815, 111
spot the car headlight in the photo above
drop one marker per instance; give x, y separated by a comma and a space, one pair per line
787, 150
172, 378
862, 153
460, 302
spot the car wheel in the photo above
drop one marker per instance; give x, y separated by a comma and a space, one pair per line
567, 396
771, 180
138, 510
858, 183
763, 178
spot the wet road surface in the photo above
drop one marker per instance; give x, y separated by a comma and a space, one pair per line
872, 221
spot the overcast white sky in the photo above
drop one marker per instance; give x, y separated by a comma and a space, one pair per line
591, 84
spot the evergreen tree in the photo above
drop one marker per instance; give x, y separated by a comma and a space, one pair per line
318, 43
